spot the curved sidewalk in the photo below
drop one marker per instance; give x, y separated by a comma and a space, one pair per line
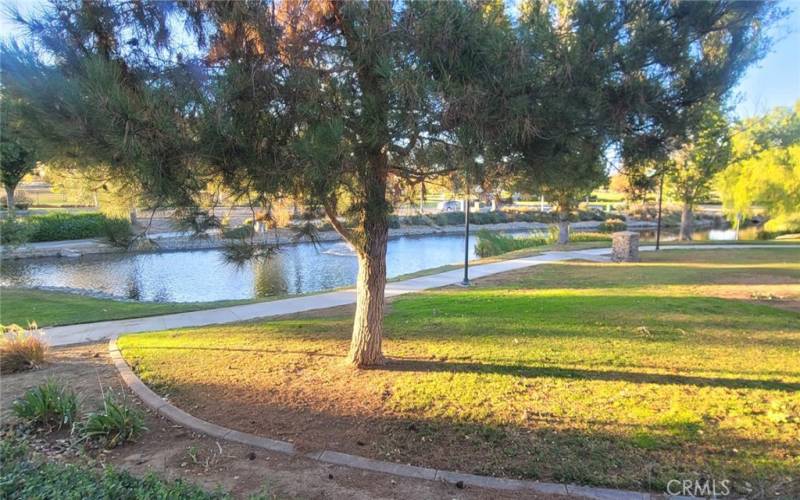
92, 332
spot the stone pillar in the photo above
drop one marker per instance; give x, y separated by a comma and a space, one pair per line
625, 246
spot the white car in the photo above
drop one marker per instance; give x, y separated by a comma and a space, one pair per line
449, 206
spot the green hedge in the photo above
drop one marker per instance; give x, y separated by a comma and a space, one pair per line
63, 226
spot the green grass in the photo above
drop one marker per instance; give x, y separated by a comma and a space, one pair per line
46, 308
623, 375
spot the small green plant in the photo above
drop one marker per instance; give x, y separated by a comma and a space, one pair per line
117, 423
21, 350
25, 475
49, 405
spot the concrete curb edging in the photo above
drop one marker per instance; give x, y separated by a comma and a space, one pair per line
180, 417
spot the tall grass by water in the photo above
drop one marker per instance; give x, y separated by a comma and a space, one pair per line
490, 244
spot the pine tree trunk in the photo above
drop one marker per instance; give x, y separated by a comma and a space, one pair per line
365, 346
10, 201
370, 245
687, 218
563, 228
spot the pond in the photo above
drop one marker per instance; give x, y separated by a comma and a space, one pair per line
203, 275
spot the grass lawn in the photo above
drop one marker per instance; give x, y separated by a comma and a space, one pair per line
48, 308
683, 366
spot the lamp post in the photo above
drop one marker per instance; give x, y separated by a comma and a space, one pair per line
465, 281
660, 198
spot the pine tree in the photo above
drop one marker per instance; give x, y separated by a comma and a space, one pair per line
317, 100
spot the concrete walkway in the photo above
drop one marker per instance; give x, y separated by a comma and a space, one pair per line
92, 332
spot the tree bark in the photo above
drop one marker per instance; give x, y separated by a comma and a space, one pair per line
369, 242
10, 201
366, 342
563, 228
687, 218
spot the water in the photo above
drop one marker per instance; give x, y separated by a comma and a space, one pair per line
203, 275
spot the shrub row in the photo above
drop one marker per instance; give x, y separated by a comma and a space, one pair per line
479, 218
63, 226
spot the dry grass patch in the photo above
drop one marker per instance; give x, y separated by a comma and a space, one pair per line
21, 350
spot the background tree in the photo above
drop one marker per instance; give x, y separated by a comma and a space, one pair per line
673, 59
320, 100
706, 152
765, 170
17, 149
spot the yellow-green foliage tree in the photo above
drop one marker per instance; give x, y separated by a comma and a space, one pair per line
766, 169
706, 152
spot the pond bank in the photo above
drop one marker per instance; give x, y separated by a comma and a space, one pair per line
166, 242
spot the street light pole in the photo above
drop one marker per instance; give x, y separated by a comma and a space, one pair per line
465, 281
660, 198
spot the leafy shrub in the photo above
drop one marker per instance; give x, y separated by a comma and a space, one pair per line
593, 215
24, 477
15, 232
490, 244
21, 350
50, 405
449, 218
612, 225
239, 233
417, 220
118, 232
116, 424
64, 226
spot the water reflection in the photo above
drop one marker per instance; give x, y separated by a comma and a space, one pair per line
203, 275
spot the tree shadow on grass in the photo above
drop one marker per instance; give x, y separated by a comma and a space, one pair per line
419, 365
399, 364
564, 450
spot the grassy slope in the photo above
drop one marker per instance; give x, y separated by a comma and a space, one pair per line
620, 375
47, 308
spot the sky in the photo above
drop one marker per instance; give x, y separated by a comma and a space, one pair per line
773, 81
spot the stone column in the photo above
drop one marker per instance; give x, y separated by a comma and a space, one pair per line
625, 246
